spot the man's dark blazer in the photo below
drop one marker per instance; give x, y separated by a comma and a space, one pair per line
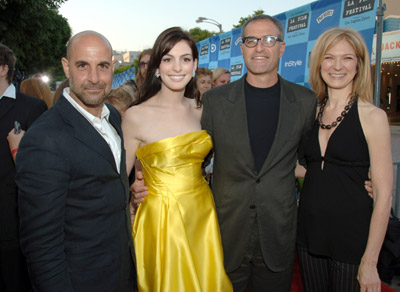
25, 109
73, 204
238, 188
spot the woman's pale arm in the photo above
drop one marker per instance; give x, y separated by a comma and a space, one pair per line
13, 142
377, 132
130, 130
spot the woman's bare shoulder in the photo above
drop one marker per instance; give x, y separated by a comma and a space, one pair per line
373, 120
371, 113
140, 111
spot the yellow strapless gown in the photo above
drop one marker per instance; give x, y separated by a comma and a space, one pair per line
176, 233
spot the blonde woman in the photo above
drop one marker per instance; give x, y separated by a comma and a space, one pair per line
340, 227
203, 80
220, 76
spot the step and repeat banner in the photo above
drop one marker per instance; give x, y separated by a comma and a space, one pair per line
302, 27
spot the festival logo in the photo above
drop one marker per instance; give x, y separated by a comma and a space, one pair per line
213, 48
225, 44
324, 15
354, 7
298, 22
236, 70
204, 50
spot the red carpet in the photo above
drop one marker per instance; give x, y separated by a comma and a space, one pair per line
297, 285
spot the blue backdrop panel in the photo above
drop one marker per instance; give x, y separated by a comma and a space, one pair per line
324, 18
214, 51
237, 68
120, 78
225, 46
355, 13
204, 48
297, 25
237, 40
293, 63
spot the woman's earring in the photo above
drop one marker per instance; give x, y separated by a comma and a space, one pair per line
158, 74
194, 73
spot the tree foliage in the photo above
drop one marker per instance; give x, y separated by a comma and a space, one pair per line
200, 34
37, 34
244, 19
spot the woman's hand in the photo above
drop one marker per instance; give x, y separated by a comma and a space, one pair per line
13, 142
368, 277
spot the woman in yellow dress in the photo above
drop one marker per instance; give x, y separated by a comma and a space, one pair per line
176, 234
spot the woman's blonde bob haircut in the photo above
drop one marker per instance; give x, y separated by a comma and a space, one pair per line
362, 83
217, 72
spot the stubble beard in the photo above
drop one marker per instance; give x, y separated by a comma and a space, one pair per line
88, 100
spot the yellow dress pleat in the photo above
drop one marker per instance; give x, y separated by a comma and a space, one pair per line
176, 233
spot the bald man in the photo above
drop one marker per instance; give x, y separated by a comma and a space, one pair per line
72, 181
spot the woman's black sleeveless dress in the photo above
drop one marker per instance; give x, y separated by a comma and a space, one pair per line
335, 209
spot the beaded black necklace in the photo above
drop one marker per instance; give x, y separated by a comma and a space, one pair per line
339, 118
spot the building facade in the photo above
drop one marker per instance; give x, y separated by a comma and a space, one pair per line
390, 62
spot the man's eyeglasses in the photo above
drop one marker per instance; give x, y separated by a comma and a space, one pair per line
143, 64
267, 41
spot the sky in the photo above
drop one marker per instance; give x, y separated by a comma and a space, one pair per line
134, 25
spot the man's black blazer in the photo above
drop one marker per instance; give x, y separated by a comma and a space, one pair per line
73, 205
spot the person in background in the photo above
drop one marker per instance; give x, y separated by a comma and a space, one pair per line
121, 98
73, 192
203, 80
133, 88
144, 59
340, 227
38, 88
14, 106
176, 234
60, 89
204, 83
220, 76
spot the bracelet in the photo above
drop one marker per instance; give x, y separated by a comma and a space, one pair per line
14, 151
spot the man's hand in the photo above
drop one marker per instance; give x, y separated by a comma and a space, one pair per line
138, 189
368, 185
139, 192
